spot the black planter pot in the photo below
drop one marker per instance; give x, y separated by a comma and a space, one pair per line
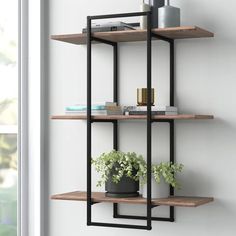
127, 187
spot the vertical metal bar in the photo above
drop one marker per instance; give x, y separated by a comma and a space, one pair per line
172, 159
89, 121
172, 124
115, 99
172, 71
115, 135
115, 94
149, 123
115, 73
115, 210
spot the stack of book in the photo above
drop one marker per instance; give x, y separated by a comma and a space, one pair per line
109, 108
82, 110
113, 109
109, 26
156, 110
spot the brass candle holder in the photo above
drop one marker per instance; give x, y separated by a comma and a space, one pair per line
142, 97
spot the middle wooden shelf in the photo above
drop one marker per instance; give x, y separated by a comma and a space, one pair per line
134, 117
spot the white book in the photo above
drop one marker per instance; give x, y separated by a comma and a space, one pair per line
157, 108
170, 113
94, 113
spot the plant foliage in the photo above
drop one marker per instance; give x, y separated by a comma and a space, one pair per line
167, 171
120, 164
117, 164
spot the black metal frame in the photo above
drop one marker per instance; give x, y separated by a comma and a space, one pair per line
91, 38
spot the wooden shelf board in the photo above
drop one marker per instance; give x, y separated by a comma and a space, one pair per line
182, 32
134, 117
169, 201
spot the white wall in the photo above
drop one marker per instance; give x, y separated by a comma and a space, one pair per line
205, 83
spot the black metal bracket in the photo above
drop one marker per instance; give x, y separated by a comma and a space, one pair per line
149, 120
93, 203
160, 37
115, 123
125, 226
171, 217
134, 217
104, 41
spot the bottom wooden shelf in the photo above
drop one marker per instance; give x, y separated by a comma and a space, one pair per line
169, 201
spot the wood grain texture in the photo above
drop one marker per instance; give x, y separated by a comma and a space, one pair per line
169, 201
183, 32
134, 117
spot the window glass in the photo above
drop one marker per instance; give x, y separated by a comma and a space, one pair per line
8, 116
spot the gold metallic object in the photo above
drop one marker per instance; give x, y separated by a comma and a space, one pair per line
142, 97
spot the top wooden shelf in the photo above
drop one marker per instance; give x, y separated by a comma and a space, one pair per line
183, 32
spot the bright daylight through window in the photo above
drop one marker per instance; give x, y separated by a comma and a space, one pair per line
8, 116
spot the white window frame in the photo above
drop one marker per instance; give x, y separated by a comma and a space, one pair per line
22, 219
31, 118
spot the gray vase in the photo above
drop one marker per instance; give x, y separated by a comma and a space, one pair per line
155, 4
168, 16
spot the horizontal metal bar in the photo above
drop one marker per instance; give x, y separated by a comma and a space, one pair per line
118, 15
104, 41
162, 121
119, 225
132, 217
112, 121
103, 121
162, 38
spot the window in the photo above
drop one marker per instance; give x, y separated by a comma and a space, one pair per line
8, 116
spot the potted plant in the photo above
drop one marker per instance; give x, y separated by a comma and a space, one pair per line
165, 171
122, 172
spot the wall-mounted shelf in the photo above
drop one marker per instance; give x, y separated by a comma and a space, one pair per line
135, 117
184, 32
99, 197
113, 39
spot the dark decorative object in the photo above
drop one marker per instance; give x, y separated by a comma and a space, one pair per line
168, 16
121, 173
126, 187
142, 96
155, 4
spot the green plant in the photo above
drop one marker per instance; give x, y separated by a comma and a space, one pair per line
119, 164
167, 171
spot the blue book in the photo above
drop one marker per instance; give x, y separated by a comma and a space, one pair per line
84, 108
